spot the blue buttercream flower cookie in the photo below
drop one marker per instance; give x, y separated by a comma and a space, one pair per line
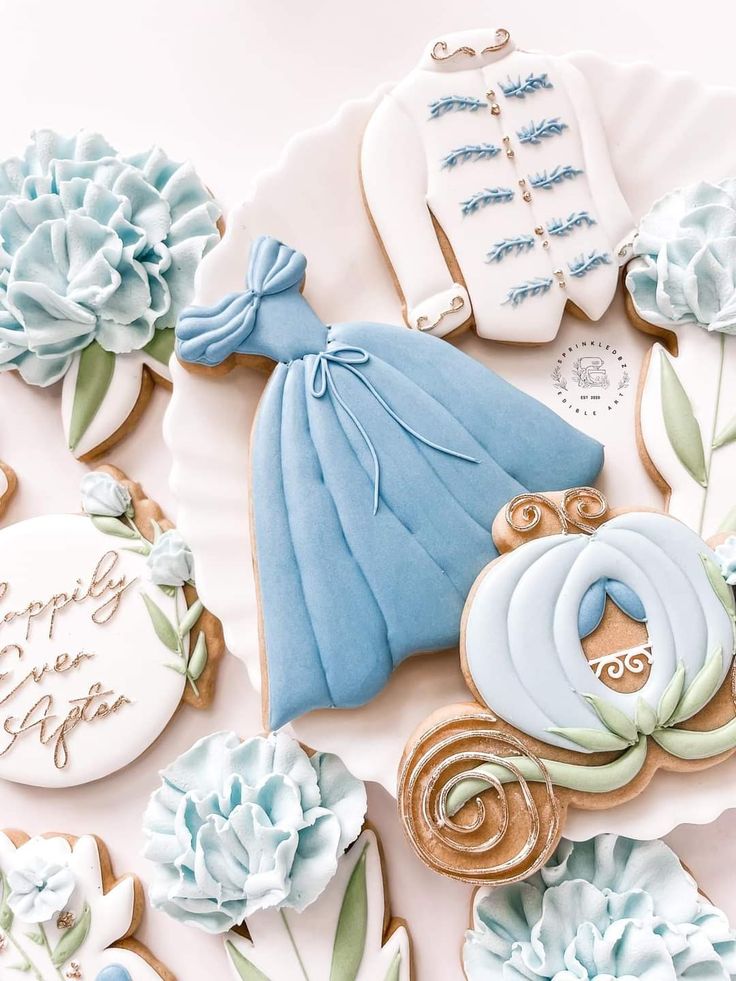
609, 907
98, 257
379, 458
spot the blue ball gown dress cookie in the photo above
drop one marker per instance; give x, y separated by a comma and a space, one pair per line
380, 457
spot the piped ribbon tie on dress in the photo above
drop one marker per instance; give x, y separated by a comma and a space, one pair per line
321, 381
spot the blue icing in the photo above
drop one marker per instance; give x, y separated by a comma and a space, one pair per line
584, 264
114, 972
547, 180
454, 103
361, 565
96, 247
593, 604
534, 133
520, 88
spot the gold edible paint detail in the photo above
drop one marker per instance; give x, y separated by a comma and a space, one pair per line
585, 503
102, 590
439, 51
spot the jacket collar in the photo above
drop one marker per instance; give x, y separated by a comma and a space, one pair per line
467, 50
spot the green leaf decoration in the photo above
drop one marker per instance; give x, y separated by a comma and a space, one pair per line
142, 549
113, 526
680, 422
161, 345
177, 666
728, 525
671, 696
96, 368
36, 938
723, 591
6, 913
352, 924
164, 630
613, 718
394, 971
72, 939
157, 531
702, 688
190, 617
198, 660
645, 717
592, 739
727, 435
246, 970
169, 590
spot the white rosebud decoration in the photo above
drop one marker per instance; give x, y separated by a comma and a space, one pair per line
727, 557
41, 882
170, 561
105, 497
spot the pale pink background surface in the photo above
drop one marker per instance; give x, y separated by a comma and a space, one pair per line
226, 84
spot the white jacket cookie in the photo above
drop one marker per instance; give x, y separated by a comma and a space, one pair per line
487, 176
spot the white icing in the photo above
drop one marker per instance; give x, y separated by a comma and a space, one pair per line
110, 921
118, 403
405, 185
43, 557
532, 669
441, 313
312, 932
696, 366
3, 484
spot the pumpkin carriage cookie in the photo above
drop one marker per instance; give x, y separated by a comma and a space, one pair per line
102, 636
64, 915
378, 459
599, 647
487, 177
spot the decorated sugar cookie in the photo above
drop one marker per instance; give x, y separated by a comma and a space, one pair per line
8, 483
487, 177
605, 908
101, 636
99, 255
681, 288
379, 457
64, 915
599, 647
346, 933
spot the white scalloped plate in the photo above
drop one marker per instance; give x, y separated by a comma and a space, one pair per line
660, 127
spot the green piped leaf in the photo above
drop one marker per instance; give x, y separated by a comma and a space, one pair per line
671, 696
198, 660
161, 345
728, 525
96, 368
702, 688
190, 617
161, 624
645, 717
394, 971
688, 745
36, 938
352, 925
682, 427
720, 587
613, 719
246, 970
595, 740
6, 913
727, 434
112, 526
72, 939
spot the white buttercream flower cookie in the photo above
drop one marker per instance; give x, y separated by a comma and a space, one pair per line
64, 914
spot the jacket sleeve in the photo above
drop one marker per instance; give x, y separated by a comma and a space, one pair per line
394, 173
